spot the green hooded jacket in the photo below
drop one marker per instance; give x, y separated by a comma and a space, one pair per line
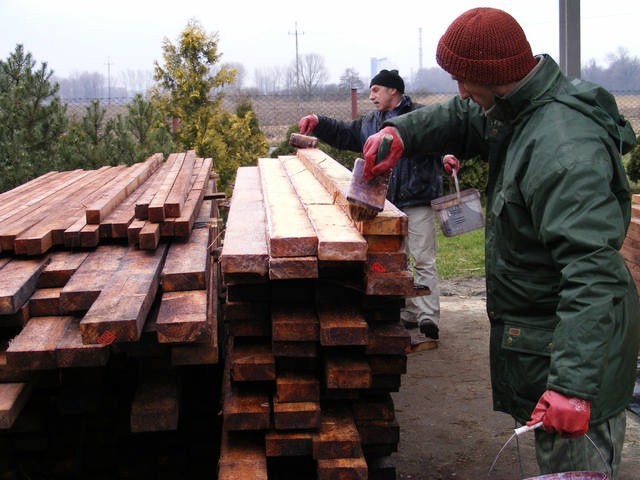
562, 304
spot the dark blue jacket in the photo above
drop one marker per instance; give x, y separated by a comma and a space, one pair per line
415, 180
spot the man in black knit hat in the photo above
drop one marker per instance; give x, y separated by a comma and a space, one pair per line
414, 182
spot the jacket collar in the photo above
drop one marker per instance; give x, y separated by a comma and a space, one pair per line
533, 90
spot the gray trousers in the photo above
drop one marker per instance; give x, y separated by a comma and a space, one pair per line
421, 250
556, 454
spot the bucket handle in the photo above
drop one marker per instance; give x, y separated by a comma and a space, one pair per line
529, 428
455, 181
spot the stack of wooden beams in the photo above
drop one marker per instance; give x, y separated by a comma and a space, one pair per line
108, 262
314, 344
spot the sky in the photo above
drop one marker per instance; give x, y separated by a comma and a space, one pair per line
116, 36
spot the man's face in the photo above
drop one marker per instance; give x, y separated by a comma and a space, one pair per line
483, 95
383, 98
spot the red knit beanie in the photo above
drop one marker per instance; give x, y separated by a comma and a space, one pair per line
487, 46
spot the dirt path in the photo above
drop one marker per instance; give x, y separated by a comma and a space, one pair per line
448, 429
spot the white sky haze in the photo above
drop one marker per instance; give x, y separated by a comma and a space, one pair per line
75, 36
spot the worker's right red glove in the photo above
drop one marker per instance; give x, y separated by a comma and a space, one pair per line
450, 164
370, 153
307, 124
569, 416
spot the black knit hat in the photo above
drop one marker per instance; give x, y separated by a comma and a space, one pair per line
388, 78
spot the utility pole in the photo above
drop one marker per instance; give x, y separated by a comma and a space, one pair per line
296, 33
109, 80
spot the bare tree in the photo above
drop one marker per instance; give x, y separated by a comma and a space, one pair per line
311, 75
137, 81
350, 79
270, 80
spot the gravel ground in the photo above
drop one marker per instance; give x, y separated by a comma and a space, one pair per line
448, 429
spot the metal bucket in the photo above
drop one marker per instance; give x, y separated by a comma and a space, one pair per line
575, 475
572, 476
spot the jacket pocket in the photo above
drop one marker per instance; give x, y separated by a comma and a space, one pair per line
526, 339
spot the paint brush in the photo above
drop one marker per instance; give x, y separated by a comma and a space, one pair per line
366, 197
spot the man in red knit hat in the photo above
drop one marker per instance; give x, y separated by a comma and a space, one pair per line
563, 307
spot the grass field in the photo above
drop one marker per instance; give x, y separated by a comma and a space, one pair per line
461, 256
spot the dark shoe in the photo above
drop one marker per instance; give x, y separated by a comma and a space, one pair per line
409, 324
430, 330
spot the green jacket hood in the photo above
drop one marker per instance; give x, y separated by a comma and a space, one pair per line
583, 96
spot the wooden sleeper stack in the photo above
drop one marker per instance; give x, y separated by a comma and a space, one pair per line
314, 344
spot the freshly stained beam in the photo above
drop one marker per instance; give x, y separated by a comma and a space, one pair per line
35, 346
338, 238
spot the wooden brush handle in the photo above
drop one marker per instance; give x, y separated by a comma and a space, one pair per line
384, 147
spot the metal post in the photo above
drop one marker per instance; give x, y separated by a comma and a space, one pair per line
570, 37
354, 103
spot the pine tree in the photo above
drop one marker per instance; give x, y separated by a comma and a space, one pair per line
32, 120
190, 95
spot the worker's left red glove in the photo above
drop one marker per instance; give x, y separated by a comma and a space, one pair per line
569, 416
370, 153
307, 124
451, 164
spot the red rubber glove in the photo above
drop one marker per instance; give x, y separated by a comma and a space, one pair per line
307, 124
450, 164
370, 153
569, 416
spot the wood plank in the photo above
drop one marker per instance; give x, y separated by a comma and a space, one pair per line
116, 224
296, 415
62, 266
297, 387
18, 280
338, 436
72, 353
290, 233
34, 348
177, 196
388, 339
149, 236
343, 469
141, 209
392, 283
242, 457
206, 353
336, 179
182, 317
183, 225
13, 397
243, 409
84, 286
112, 196
245, 255
156, 211
288, 444
253, 363
186, 265
346, 371
342, 325
287, 268
35, 208
57, 217
338, 238
294, 322
119, 312
156, 405
45, 302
